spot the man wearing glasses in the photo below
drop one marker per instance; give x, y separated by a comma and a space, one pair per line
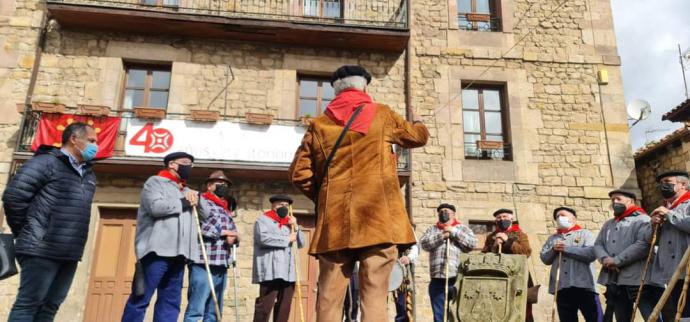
165, 239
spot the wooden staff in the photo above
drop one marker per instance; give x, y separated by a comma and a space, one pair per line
195, 214
295, 252
445, 299
558, 284
669, 288
683, 294
650, 255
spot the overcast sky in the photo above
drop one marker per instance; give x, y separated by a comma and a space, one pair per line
648, 33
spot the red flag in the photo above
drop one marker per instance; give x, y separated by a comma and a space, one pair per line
51, 126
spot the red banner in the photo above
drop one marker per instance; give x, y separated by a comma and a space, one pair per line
51, 126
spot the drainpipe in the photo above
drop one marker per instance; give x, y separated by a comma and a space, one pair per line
40, 44
408, 105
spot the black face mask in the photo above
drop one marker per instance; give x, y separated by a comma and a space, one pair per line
667, 190
282, 212
184, 171
221, 191
443, 216
504, 224
619, 208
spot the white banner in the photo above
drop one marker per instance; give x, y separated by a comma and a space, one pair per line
224, 141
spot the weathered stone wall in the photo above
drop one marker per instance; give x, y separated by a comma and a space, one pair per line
569, 135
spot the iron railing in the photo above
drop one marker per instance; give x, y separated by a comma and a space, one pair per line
361, 13
473, 152
493, 24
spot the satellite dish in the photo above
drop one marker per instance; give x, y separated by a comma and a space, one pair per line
639, 110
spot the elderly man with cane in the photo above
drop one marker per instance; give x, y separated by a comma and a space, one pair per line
346, 165
165, 240
569, 252
445, 241
673, 220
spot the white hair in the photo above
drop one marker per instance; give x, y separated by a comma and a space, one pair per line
357, 82
683, 179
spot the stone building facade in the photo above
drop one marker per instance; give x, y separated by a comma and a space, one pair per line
528, 84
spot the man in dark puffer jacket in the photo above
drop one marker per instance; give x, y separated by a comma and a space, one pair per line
48, 207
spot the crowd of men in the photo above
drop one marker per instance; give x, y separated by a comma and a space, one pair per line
346, 164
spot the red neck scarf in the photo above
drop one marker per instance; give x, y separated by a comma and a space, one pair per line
452, 223
274, 215
220, 202
341, 108
681, 199
512, 228
631, 210
571, 229
168, 175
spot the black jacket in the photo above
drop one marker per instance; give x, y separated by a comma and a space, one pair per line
48, 206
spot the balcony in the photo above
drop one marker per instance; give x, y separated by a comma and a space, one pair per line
361, 24
127, 163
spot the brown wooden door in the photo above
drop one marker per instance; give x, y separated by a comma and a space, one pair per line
309, 270
112, 267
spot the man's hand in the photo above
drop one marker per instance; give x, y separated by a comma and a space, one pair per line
404, 260
501, 238
609, 263
192, 196
659, 215
559, 246
231, 237
446, 234
292, 221
293, 237
416, 118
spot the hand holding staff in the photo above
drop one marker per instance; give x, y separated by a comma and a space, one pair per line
195, 214
295, 252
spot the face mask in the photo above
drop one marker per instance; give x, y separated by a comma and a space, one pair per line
564, 222
221, 191
89, 152
443, 217
282, 212
618, 208
504, 224
667, 190
184, 171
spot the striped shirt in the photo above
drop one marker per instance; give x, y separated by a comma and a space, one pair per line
462, 241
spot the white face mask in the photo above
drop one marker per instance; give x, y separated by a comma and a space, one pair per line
564, 222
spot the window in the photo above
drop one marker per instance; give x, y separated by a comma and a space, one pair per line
146, 86
480, 15
161, 3
323, 8
484, 123
314, 94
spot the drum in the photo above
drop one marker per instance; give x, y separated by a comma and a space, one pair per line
397, 276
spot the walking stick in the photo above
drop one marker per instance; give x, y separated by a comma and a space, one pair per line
650, 255
295, 252
669, 288
558, 284
445, 298
684, 294
195, 214
234, 280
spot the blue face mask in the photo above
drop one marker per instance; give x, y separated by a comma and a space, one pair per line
89, 151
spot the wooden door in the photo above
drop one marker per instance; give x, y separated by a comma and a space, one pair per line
309, 271
112, 267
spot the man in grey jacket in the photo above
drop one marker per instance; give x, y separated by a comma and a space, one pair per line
576, 286
274, 260
674, 235
622, 247
165, 239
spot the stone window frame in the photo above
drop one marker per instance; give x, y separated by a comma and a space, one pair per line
505, 117
319, 98
477, 40
495, 15
150, 68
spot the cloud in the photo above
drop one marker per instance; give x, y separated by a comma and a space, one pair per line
648, 33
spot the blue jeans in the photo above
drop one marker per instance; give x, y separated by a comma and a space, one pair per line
162, 274
437, 290
43, 286
200, 302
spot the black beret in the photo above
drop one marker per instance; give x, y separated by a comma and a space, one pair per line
502, 210
623, 192
672, 173
350, 70
177, 155
445, 205
275, 198
570, 210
